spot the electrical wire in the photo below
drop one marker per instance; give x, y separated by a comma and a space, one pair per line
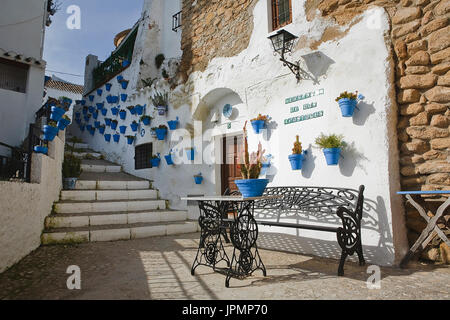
70, 74
20, 22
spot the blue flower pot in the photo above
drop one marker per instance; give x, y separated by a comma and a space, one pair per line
123, 97
86, 118
91, 98
134, 126
67, 101
161, 110
123, 114
82, 127
115, 111
332, 155
95, 115
125, 63
124, 84
100, 106
108, 86
172, 124
139, 109
77, 101
132, 111
101, 130
258, 125
50, 132
251, 187
155, 162
85, 110
119, 78
347, 106
146, 121
107, 137
97, 124
123, 129
116, 137
92, 131
63, 123
190, 154
113, 125
89, 127
104, 111
83, 102
130, 140
161, 133
198, 179
99, 92
91, 109
78, 121
107, 122
57, 113
77, 115
296, 161
40, 149
169, 159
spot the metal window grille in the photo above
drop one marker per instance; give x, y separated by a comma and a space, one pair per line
176, 21
143, 156
13, 75
281, 13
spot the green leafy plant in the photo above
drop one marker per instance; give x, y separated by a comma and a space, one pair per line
145, 117
297, 146
330, 141
261, 117
162, 126
130, 108
348, 95
115, 121
160, 99
159, 59
250, 164
131, 137
155, 156
52, 123
71, 167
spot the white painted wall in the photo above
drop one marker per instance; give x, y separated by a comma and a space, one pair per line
358, 61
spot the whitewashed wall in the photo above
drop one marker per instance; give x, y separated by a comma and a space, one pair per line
256, 82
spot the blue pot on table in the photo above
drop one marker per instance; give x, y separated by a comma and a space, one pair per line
155, 162
134, 126
198, 179
347, 106
40, 149
258, 125
251, 187
169, 159
116, 137
123, 129
332, 155
107, 137
123, 114
296, 161
161, 133
57, 113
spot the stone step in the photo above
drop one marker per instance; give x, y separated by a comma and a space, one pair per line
111, 218
108, 206
80, 145
111, 185
100, 167
86, 155
91, 195
117, 232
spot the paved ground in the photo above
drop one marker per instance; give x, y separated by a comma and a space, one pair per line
159, 268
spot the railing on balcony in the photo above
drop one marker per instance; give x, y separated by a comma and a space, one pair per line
113, 65
176, 21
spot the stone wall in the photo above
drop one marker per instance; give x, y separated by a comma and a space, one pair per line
24, 206
213, 28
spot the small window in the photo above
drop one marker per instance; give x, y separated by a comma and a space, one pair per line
281, 13
143, 156
13, 75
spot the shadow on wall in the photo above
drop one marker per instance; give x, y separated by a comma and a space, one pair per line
317, 64
309, 163
351, 158
267, 133
362, 113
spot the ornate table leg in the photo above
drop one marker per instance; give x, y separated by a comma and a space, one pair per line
425, 237
210, 250
243, 234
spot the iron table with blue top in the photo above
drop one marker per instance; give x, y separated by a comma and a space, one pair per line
432, 229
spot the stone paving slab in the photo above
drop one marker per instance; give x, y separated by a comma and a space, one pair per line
159, 268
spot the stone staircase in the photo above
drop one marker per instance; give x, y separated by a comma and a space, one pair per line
109, 204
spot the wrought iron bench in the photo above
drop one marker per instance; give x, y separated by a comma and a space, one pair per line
322, 203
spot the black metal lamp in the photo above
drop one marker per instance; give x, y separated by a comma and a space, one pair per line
283, 42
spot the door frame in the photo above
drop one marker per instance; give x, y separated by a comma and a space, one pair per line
219, 153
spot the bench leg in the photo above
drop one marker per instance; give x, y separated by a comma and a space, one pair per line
359, 252
341, 264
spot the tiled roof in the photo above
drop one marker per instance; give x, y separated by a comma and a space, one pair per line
64, 86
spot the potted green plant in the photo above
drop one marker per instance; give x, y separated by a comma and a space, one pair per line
160, 101
146, 120
160, 131
259, 123
130, 139
332, 146
250, 166
155, 160
296, 158
347, 102
198, 178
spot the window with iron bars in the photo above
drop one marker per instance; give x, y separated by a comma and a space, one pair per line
176, 21
281, 13
143, 156
13, 75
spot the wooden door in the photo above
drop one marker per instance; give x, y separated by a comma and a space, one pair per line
232, 147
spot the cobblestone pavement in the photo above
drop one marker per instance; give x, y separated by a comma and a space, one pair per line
159, 268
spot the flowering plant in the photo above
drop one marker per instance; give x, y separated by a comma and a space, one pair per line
250, 164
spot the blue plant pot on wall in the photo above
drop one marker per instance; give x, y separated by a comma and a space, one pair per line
104, 111
296, 161
91, 98
85, 111
99, 92
155, 162
107, 137
258, 125
198, 179
91, 109
139, 110
146, 121
57, 113
40, 149
251, 187
134, 126
132, 110
77, 115
63, 123
173, 124
130, 140
125, 63
108, 86
97, 124
169, 159
50, 132
101, 130
95, 115
347, 106
123, 114
123, 97
124, 84
114, 111
100, 106
107, 122
119, 78
161, 133
116, 137
83, 102
123, 129
113, 125
332, 155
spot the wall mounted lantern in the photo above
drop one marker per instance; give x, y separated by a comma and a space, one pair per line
283, 42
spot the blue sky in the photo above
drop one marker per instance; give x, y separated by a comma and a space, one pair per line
65, 50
